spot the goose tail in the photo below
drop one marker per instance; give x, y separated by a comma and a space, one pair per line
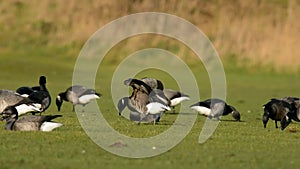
49, 126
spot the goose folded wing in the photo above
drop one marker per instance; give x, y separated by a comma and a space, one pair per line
38, 119
89, 92
77, 89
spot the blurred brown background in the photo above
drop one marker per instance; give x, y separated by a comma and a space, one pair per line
262, 32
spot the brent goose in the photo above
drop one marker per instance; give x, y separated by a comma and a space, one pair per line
275, 109
39, 94
77, 94
28, 123
26, 91
214, 108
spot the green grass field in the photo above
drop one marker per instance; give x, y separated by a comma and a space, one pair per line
234, 145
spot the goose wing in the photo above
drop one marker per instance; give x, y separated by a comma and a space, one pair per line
153, 83
139, 85
89, 92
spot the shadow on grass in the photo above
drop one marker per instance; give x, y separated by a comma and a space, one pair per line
232, 120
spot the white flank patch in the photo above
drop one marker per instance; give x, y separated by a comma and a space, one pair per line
178, 100
49, 126
87, 98
156, 108
24, 108
24, 95
202, 110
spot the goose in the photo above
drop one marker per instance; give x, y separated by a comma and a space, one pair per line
25, 91
175, 97
77, 94
39, 94
42, 96
10, 98
141, 97
154, 109
275, 109
214, 108
134, 115
123, 103
155, 94
28, 123
294, 114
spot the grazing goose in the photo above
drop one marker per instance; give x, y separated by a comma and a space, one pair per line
28, 123
77, 95
294, 114
126, 102
135, 115
39, 94
275, 109
10, 98
214, 108
175, 97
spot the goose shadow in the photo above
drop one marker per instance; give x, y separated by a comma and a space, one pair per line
232, 120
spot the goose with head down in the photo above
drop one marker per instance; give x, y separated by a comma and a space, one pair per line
77, 95
215, 108
275, 109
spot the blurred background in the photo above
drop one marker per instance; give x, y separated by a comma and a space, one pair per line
250, 34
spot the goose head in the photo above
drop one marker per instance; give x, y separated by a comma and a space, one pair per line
42, 80
235, 114
265, 118
59, 101
122, 104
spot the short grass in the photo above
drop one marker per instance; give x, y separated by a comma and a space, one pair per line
233, 145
